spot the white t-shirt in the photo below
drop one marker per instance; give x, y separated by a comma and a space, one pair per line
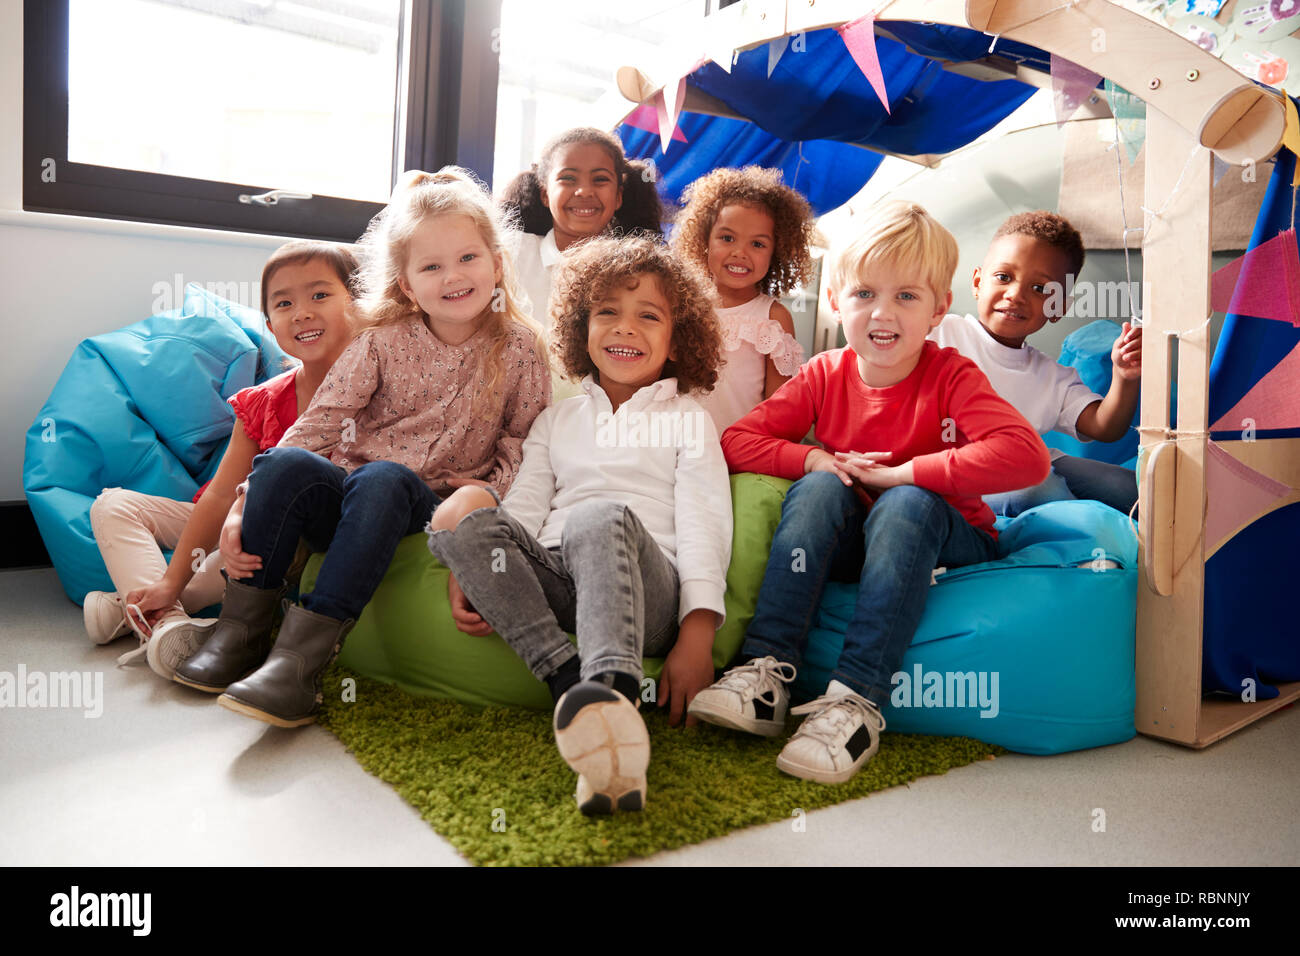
1050, 395
534, 260
659, 455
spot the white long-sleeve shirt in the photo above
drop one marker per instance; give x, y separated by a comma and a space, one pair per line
659, 455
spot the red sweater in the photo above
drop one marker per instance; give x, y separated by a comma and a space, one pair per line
989, 448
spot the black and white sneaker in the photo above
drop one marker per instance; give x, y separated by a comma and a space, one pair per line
602, 737
752, 697
839, 736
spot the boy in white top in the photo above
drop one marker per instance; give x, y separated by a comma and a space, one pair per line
618, 526
1018, 290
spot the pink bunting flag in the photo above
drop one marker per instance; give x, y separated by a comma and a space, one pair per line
667, 117
860, 37
1273, 401
1071, 86
646, 117
1264, 283
1238, 494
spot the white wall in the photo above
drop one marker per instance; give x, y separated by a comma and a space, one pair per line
65, 278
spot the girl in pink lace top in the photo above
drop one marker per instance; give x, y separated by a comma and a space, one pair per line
752, 234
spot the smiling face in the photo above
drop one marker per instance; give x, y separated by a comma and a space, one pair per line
451, 275
630, 337
1013, 287
582, 192
740, 252
307, 306
887, 312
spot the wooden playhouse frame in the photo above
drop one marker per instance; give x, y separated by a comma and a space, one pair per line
1193, 100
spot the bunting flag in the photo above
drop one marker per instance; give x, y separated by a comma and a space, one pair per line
1130, 114
775, 50
1237, 493
860, 37
1272, 402
1220, 167
646, 117
668, 117
1264, 283
1071, 86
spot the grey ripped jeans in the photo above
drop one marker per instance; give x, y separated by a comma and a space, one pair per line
608, 582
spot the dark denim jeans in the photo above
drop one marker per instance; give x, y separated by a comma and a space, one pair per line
1072, 478
827, 533
360, 517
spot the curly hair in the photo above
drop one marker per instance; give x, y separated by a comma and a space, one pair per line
1050, 228
757, 188
385, 249
642, 209
585, 277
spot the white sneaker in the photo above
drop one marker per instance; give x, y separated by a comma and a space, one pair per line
174, 642
104, 616
836, 740
752, 697
602, 737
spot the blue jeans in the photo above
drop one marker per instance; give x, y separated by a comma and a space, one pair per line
1072, 478
360, 517
608, 582
826, 532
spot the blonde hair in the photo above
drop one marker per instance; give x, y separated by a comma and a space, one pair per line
384, 251
898, 234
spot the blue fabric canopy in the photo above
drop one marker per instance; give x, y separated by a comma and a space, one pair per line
813, 115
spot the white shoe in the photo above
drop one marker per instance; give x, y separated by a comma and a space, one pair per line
752, 697
602, 737
836, 740
174, 642
104, 616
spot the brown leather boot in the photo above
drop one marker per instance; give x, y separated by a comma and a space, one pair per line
237, 644
286, 690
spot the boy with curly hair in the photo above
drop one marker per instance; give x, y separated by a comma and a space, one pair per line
1018, 290
618, 526
911, 436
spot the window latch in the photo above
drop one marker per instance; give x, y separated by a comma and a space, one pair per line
272, 197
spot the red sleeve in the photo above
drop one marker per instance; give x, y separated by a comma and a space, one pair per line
767, 439
251, 407
1001, 452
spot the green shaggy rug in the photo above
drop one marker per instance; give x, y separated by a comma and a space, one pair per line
491, 781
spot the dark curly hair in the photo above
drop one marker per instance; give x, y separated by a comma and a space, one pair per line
757, 188
1050, 228
640, 214
586, 275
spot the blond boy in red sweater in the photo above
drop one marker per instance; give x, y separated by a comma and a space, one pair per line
912, 435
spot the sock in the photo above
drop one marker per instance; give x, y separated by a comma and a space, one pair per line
564, 677
625, 684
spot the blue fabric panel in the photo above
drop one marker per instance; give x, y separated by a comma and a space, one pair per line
827, 174
1060, 638
1250, 620
1248, 347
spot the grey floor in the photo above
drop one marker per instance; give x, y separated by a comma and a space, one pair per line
164, 777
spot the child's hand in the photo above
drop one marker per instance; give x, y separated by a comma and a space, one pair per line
866, 468
154, 599
689, 667
238, 563
467, 619
821, 460
1126, 354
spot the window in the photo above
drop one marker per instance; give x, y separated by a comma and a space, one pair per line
222, 113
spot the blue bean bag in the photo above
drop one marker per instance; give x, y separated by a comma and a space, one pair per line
1087, 349
144, 408
1057, 638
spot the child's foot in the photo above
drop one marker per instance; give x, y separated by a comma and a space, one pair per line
836, 740
752, 697
602, 737
174, 642
104, 616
